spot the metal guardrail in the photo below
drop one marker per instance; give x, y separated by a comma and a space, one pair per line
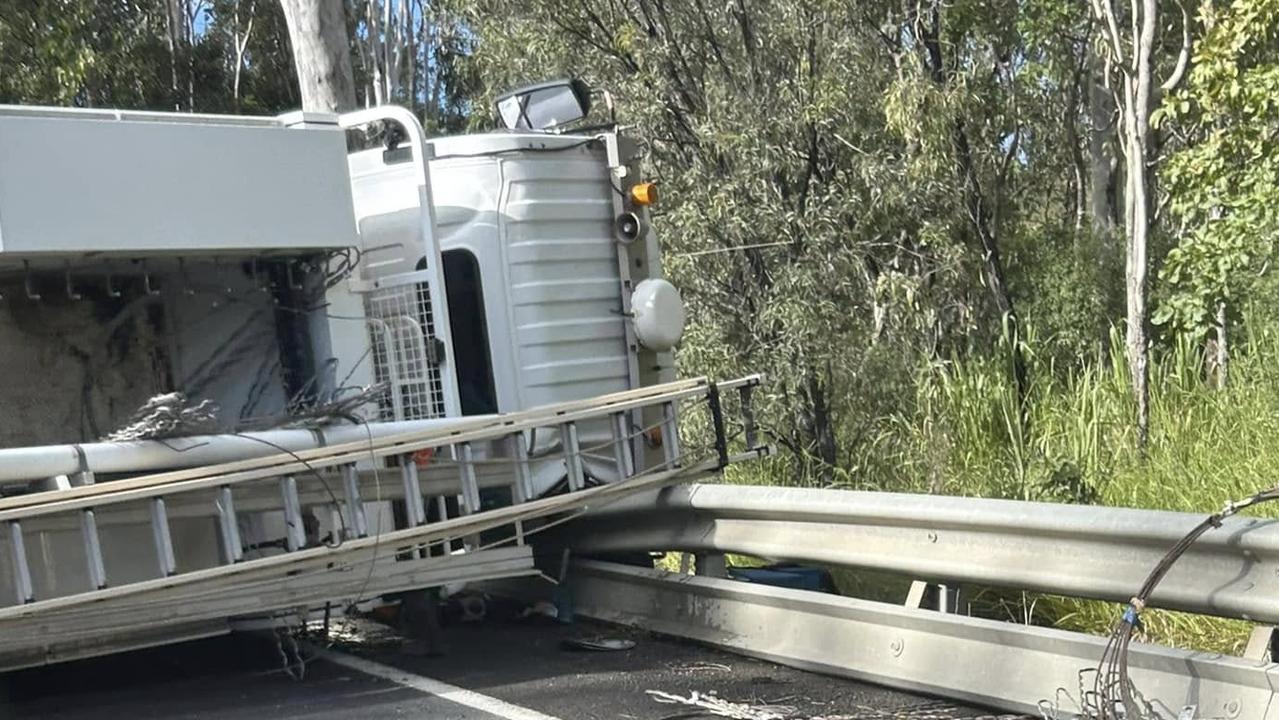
1078, 551
1014, 667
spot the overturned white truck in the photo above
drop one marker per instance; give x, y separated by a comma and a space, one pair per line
395, 362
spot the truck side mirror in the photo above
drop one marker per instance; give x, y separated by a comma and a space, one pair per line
545, 105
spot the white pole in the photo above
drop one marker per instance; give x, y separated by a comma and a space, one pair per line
25, 464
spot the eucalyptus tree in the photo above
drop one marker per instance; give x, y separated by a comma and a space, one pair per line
85, 53
1130, 36
321, 52
1224, 179
840, 182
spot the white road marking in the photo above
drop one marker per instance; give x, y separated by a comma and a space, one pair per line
442, 690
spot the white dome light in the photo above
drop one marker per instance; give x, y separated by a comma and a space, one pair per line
658, 313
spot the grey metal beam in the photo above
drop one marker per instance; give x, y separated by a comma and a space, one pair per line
264, 594
1003, 665
121, 626
1079, 551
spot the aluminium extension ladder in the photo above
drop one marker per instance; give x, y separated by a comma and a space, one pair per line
304, 573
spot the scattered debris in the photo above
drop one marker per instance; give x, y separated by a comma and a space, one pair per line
703, 667
599, 644
724, 708
711, 704
540, 609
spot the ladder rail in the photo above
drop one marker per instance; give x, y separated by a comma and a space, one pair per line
390, 541
152, 486
349, 510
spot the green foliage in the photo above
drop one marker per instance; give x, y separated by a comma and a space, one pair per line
122, 54
1224, 186
1210, 446
813, 212
82, 52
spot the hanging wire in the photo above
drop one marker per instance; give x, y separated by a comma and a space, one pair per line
1113, 695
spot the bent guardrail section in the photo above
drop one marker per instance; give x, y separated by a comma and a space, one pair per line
1015, 667
1079, 551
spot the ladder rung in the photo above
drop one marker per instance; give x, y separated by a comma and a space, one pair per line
229, 525
523, 471
466, 469
93, 549
470, 488
572, 456
21, 570
294, 529
622, 447
442, 505
413, 506
670, 436
359, 523
163, 540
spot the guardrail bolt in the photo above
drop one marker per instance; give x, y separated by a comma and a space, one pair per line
896, 646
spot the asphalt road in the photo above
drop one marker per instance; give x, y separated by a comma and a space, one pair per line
493, 669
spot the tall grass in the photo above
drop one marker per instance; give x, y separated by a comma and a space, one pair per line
966, 436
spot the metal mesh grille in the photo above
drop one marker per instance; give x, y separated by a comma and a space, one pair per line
402, 336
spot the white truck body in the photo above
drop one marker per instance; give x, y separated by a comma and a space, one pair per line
256, 262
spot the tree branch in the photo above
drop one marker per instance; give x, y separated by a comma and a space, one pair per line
1183, 58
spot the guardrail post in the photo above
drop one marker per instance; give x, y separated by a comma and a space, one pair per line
710, 565
1261, 643
936, 596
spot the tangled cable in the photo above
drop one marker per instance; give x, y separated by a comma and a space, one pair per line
1113, 695
168, 415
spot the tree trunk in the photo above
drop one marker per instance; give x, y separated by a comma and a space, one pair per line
1221, 350
1101, 196
241, 46
1101, 120
1138, 93
373, 35
819, 428
174, 40
317, 30
980, 214
1129, 52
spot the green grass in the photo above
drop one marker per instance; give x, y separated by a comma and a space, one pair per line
1208, 445
962, 435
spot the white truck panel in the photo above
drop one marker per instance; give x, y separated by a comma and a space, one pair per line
83, 182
